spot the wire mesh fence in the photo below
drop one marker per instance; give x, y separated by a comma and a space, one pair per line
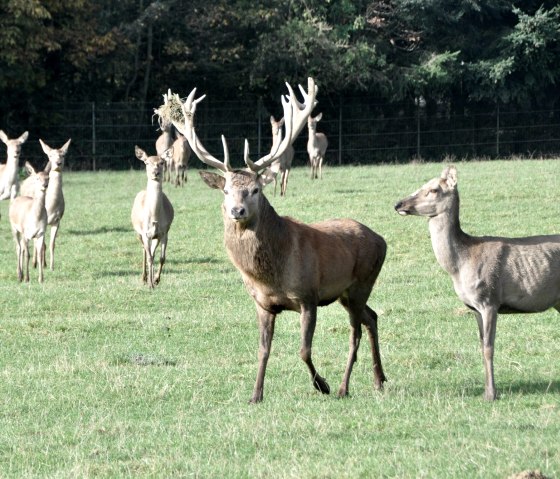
359, 131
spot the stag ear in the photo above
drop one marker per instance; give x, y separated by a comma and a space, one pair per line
449, 175
213, 180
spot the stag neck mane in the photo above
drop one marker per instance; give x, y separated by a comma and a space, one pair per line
256, 247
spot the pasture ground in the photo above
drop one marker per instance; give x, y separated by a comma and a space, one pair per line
100, 377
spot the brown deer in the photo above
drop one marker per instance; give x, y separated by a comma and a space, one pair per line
163, 143
180, 159
54, 202
152, 215
283, 164
9, 170
288, 265
490, 274
28, 218
316, 146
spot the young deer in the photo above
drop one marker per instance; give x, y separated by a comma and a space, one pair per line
163, 143
316, 146
152, 215
287, 265
283, 164
28, 218
9, 170
490, 275
54, 202
180, 159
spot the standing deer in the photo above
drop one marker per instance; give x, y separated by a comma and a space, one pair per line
490, 275
316, 146
28, 218
152, 215
163, 143
54, 202
9, 170
283, 164
288, 265
180, 159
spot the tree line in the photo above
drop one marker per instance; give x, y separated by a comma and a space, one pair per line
447, 55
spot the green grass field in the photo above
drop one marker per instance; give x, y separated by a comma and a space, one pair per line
100, 377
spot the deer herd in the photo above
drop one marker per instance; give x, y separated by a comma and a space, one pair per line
286, 264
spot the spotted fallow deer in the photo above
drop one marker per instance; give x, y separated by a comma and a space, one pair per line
152, 215
283, 164
288, 265
28, 218
490, 274
316, 146
9, 170
54, 202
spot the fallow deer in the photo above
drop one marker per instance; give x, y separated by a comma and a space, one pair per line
152, 215
316, 146
163, 143
28, 218
490, 274
9, 170
288, 265
54, 202
283, 164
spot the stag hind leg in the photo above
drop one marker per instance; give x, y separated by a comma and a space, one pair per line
308, 321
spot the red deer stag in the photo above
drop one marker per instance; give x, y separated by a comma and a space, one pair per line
288, 265
490, 274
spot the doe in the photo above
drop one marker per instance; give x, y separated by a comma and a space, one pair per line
490, 274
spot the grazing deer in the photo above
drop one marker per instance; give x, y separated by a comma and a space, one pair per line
9, 170
163, 143
180, 159
490, 275
288, 265
283, 164
316, 146
54, 202
28, 218
152, 215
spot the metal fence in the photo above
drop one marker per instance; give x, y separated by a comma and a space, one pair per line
358, 129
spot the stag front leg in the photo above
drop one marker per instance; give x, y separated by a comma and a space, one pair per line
266, 332
308, 321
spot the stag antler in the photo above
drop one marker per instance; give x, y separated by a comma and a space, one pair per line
295, 115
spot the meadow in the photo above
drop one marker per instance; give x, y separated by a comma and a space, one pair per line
101, 377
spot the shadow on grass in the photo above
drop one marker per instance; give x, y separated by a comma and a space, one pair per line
523, 388
100, 231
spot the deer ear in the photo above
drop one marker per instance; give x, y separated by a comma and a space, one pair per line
23, 137
449, 175
64, 148
29, 168
46, 148
3, 136
213, 180
140, 154
318, 117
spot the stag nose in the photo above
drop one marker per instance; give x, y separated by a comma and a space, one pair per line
238, 212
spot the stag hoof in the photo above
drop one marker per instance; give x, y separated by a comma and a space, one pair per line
321, 385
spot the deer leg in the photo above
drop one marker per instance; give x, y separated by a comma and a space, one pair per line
19, 253
40, 248
151, 254
54, 232
25, 259
308, 320
161, 257
266, 333
34, 257
355, 336
284, 187
370, 322
487, 319
148, 263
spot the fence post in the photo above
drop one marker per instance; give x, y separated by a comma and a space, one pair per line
93, 136
497, 130
340, 130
